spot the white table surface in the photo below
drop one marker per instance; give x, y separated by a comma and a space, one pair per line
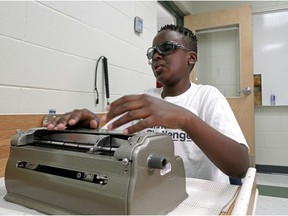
205, 197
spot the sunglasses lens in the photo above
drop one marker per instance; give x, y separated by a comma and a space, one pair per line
165, 48
150, 53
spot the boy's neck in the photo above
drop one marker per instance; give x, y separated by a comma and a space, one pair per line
172, 91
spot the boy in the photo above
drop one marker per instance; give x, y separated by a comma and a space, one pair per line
197, 117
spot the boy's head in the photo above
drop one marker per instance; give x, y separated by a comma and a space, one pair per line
173, 55
188, 36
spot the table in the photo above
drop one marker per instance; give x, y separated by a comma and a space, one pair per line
205, 197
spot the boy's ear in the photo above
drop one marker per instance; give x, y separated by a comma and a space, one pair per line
193, 58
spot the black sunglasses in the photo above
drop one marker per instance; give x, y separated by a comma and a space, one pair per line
164, 48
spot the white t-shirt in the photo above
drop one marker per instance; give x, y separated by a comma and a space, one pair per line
212, 107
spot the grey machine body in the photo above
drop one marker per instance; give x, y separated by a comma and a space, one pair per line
94, 172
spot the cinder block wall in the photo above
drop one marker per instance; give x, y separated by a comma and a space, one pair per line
49, 49
271, 135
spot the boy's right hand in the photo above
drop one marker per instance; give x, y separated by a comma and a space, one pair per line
77, 118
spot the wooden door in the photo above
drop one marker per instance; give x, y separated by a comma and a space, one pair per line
243, 106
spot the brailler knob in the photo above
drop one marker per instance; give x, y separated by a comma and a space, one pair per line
156, 162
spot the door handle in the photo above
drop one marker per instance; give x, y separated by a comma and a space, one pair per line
246, 91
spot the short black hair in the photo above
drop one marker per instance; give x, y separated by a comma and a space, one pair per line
187, 34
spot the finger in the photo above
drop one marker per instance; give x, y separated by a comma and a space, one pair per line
83, 118
48, 119
122, 100
123, 105
89, 119
128, 117
61, 122
50, 122
73, 118
139, 126
94, 124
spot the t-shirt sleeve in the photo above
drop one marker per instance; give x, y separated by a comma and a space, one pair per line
221, 117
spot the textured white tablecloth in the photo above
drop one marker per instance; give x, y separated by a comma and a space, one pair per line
205, 198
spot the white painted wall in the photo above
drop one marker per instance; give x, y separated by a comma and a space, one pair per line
271, 135
49, 49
